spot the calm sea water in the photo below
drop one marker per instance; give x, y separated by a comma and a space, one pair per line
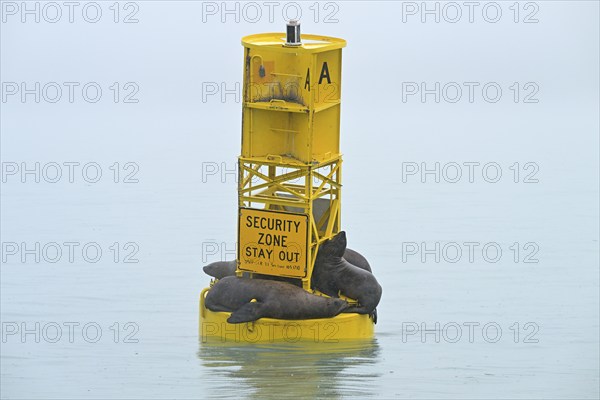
523, 323
554, 356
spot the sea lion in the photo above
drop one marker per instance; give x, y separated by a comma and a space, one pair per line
332, 275
221, 269
357, 259
272, 300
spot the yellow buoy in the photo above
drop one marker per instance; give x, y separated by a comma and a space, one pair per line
290, 178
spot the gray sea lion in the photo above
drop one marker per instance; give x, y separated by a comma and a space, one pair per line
221, 269
272, 300
357, 259
332, 275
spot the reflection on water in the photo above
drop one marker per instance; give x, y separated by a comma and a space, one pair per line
279, 370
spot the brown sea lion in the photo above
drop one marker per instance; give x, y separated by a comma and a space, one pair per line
333, 275
271, 300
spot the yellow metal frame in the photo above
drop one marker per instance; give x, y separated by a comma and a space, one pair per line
290, 159
286, 185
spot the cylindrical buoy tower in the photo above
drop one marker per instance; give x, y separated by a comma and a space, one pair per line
290, 168
290, 178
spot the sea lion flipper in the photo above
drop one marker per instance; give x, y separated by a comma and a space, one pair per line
247, 313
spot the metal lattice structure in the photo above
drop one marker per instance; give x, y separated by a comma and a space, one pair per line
311, 190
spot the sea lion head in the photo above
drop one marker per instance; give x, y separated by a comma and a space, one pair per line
334, 247
220, 269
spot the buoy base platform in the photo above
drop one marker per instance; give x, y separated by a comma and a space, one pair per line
326, 330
